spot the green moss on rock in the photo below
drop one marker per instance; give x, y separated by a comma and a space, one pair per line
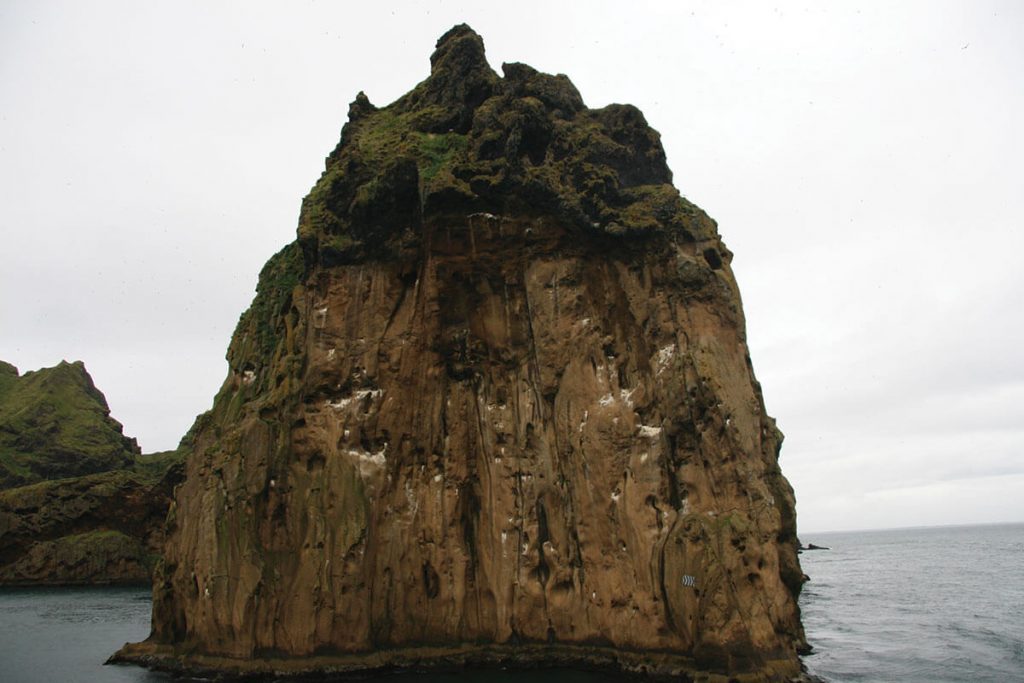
55, 423
466, 140
261, 328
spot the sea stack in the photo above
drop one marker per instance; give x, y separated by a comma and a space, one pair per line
495, 406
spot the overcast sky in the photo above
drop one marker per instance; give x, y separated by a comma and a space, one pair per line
864, 160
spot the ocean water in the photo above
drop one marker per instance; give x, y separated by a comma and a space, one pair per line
928, 605
65, 634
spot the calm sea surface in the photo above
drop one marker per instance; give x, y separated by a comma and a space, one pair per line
929, 604
938, 604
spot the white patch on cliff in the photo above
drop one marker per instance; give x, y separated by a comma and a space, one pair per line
377, 458
650, 432
248, 377
368, 463
627, 396
665, 357
606, 400
410, 498
343, 403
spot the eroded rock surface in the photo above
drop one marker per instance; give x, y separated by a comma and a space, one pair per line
494, 404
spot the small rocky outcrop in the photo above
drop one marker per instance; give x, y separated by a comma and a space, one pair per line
494, 405
55, 423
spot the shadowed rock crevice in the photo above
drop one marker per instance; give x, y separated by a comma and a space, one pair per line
494, 404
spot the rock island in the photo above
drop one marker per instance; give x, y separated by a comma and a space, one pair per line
493, 406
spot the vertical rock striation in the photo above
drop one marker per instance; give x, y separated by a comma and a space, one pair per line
494, 404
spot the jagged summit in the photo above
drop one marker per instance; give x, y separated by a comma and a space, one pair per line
493, 406
466, 140
460, 79
55, 423
459, 52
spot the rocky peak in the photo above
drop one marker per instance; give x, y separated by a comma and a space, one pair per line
557, 93
55, 423
460, 51
467, 141
360, 107
8, 375
460, 79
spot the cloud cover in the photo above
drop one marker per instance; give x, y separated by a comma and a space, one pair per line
863, 160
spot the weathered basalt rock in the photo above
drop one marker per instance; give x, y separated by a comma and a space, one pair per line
495, 404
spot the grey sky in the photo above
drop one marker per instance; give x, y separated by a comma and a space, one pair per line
864, 161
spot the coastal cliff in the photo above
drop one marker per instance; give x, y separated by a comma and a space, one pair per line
79, 504
493, 405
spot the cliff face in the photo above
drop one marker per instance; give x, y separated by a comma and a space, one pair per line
95, 529
495, 403
55, 423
